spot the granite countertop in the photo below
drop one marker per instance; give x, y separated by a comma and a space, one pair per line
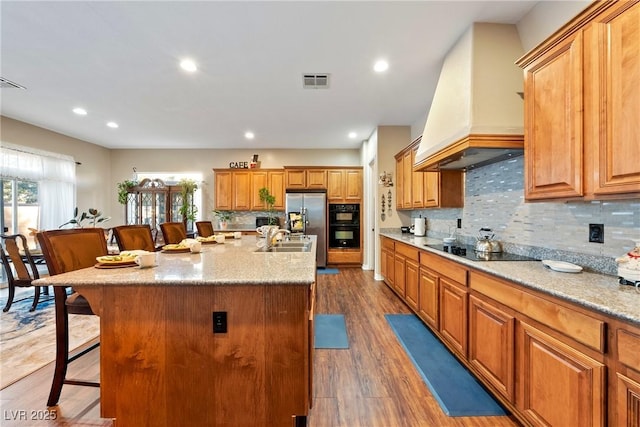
595, 291
234, 262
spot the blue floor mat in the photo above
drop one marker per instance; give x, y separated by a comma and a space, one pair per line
328, 271
330, 331
454, 387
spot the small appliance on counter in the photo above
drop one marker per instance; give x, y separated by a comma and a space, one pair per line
404, 229
629, 267
420, 226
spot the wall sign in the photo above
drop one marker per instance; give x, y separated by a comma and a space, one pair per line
239, 165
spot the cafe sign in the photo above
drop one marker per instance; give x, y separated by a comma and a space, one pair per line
245, 165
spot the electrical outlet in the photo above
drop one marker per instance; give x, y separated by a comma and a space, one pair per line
596, 233
459, 225
219, 322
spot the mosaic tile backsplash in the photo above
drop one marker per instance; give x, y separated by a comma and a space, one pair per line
494, 198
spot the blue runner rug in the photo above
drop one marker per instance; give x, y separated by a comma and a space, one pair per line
330, 331
328, 271
454, 387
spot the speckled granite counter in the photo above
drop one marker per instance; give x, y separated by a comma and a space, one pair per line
232, 262
595, 291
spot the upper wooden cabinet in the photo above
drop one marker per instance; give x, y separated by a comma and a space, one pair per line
305, 178
238, 189
416, 190
582, 101
344, 185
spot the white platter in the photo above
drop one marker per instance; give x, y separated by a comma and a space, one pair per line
564, 267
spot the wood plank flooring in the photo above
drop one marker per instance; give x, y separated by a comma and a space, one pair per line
372, 384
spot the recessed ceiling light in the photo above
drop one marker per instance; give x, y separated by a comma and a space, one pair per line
352, 135
113, 125
80, 111
249, 135
381, 66
188, 65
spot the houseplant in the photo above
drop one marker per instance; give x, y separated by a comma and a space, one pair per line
93, 216
187, 209
223, 218
123, 190
269, 200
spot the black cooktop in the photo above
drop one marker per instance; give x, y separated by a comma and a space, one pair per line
469, 253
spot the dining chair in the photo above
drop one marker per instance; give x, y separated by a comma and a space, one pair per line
67, 250
173, 232
132, 237
19, 275
205, 228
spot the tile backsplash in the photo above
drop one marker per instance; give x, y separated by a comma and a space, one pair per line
494, 198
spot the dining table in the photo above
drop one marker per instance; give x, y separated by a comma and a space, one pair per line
221, 336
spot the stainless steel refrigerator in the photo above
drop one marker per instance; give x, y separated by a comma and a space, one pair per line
307, 213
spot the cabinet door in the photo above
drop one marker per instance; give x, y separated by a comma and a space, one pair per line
453, 315
417, 185
553, 143
399, 283
558, 385
491, 345
399, 184
412, 278
295, 178
383, 265
316, 179
224, 192
612, 100
428, 298
352, 185
241, 190
258, 181
628, 405
335, 185
276, 187
407, 172
431, 189
391, 269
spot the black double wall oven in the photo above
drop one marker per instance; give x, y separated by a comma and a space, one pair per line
344, 225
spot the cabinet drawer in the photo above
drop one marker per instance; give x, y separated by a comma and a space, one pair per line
580, 327
407, 251
443, 266
388, 244
629, 349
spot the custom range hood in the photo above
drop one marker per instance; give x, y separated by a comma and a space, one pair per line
477, 113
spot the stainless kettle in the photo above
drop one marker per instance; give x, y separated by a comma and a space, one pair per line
485, 242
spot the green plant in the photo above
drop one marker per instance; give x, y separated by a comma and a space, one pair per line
188, 210
223, 216
92, 215
269, 200
123, 190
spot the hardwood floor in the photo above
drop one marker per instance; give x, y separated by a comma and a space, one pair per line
372, 384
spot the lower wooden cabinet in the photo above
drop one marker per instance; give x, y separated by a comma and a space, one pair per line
453, 315
344, 257
628, 396
428, 298
412, 279
399, 284
491, 345
558, 385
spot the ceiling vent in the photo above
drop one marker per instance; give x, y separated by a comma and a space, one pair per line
315, 81
8, 84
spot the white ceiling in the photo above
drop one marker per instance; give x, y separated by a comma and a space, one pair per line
119, 60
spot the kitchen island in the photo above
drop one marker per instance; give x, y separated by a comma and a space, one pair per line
161, 362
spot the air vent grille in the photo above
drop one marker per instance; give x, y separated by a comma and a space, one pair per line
8, 84
315, 81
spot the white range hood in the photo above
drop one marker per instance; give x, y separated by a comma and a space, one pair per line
477, 113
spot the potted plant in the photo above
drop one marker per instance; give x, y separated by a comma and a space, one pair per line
123, 190
188, 210
269, 200
223, 218
93, 216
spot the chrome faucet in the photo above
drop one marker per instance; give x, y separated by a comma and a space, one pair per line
272, 234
